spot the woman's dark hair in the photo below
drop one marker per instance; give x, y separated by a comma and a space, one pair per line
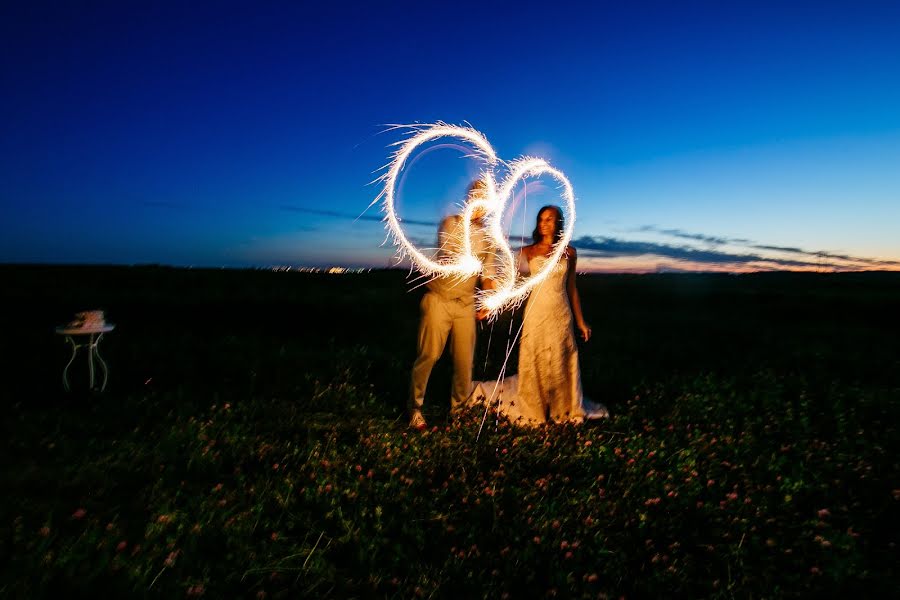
559, 224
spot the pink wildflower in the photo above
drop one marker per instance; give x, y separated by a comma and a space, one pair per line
170, 560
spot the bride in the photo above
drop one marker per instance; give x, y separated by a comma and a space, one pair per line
548, 386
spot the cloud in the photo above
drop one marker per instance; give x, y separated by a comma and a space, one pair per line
340, 215
678, 233
688, 251
742, 253
777, 248
821, 255
805, 258
615, 248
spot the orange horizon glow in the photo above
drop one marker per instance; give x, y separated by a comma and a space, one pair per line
654, 264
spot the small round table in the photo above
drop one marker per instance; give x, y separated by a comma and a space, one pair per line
92, 343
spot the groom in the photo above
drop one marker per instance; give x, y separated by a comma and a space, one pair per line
448, 309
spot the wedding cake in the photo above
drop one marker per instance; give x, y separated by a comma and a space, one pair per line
90, 319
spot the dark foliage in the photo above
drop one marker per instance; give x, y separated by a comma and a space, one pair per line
252, 443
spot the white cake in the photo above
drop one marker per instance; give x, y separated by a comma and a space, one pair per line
91, 319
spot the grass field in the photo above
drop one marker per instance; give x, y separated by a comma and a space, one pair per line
252, 443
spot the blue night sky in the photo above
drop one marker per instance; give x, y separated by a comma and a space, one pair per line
701, 136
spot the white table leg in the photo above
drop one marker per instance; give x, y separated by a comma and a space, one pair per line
90, 352
92, 347
96, 349
71, 359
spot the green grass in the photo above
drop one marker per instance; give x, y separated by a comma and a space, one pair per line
253, 444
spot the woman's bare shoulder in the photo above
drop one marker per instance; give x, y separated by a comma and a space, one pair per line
527, 250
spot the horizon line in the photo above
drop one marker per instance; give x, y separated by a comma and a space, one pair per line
662, 270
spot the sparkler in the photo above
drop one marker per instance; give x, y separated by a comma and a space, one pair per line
508, 292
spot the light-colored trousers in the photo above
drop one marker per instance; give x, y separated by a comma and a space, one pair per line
442, 317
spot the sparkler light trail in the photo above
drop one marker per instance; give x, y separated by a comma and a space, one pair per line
463, 265
509, 291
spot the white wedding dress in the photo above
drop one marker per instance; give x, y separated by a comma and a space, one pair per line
548, 385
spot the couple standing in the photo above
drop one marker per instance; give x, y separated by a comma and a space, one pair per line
548, 386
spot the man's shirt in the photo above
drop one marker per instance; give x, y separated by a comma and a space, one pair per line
450, 244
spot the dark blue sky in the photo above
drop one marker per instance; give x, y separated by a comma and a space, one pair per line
245, 134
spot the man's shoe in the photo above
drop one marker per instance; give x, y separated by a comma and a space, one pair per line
417, 421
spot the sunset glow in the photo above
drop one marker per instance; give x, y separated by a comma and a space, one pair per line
726, 138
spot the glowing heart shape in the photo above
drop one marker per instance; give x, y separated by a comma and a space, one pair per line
508, 291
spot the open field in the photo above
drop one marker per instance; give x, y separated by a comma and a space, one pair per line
252, 443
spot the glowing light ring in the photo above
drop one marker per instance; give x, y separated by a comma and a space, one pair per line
507, 291
465, 265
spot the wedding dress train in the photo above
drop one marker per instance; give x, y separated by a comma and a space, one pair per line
548, 385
